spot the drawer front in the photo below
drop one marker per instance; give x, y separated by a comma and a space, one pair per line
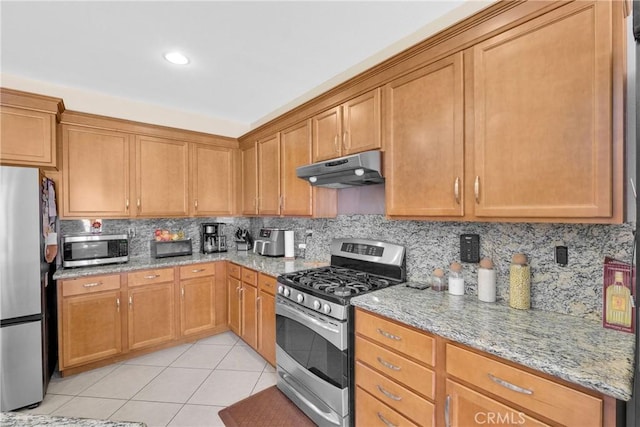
547, 398
414, 344
409, 373
235, 270
267, 283
197, 270
250, 276
85, 285
394, 395
146, 277
371, 413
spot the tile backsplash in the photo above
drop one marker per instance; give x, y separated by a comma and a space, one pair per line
574, 289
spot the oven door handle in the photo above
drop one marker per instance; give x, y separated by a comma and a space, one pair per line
293, 386
301, 316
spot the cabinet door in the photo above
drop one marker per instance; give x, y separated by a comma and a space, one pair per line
327, 133
233, 294
28, 137
466, 407
95, 173
161, 177
267, 326
424, 141
249, 180
269, 176
197, 304
296, 151
211, 180
91, 328
543, 115
249, 315
362, 123
151, 315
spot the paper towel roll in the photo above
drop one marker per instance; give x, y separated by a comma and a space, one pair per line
289, 251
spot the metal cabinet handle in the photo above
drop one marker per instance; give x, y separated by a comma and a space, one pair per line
138, 203
126, 204
258, 304
118, 305
182, 292
385, 421
345, 146
195, 204
388, 394
130, 301
476, 189
91, 285
198, 270
510, 386
335, 144
456, 189
151, 276
387, 364
388, 335
447, 405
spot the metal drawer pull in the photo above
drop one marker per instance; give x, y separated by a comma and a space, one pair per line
388, 335
198, 270
385, 421
508, 385
91, 285
388, 365
447, 405
389, 395
152, 276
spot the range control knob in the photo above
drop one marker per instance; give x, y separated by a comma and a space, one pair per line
317, 305
280, 289
326, 309
286, 292
300, 298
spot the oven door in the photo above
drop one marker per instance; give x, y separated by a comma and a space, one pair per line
313, 362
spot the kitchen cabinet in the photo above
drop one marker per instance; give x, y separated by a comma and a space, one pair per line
151, 302
199, 299
269, 175
424, 141
266, 317
28, 132
351, 127
212, 186
542, 117
243, 302
89, 325
249, 186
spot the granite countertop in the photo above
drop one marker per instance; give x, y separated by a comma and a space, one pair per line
17, 419
268, 265
572, 348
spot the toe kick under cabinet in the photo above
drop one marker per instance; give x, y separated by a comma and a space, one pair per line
407, 377
107, 318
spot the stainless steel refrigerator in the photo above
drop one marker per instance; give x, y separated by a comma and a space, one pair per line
23, 274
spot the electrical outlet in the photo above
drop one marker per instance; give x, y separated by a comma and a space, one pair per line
308, 233
562, 255
470, 248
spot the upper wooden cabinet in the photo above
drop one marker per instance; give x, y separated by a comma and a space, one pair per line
269, 175
542, 115
28, 128
424, 140
249, 187
350, 128
212, 184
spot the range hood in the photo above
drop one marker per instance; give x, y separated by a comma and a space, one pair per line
350, 171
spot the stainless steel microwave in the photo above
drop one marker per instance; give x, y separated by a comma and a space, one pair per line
82, 250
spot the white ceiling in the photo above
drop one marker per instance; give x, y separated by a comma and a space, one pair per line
250, 60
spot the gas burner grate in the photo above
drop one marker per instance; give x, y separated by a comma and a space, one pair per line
339, 281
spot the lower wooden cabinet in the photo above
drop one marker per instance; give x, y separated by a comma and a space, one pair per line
267, 317
197, 298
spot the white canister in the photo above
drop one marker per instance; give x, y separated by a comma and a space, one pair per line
456, 282
486, 281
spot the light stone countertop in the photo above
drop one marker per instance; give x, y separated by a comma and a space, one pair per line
578, 350
17, 419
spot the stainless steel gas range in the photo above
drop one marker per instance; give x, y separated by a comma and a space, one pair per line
314, 325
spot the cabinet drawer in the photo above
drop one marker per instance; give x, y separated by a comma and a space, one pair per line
146, 277
197, 270
267, 284
394, 395
537, 394
235, 270
371, 413
414, 344
409, 373
249, 276
85, 285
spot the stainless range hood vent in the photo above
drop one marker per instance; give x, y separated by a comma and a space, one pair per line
350, 171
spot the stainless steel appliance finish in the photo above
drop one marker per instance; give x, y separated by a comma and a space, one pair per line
87, 249
350, 171
22, 283
314, 330
211, 238
170, 248
270, 242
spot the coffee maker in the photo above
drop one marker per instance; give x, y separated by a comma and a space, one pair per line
211, 238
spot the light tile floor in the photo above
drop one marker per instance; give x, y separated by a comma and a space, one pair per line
180, 386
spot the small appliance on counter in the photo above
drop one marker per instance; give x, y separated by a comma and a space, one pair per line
244, 241
86, 249
211, 238
270, 242
169, 248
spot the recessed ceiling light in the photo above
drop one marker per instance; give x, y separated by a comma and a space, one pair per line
176, 58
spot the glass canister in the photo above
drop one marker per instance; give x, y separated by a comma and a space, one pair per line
437, 280
520, 283
456, 282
